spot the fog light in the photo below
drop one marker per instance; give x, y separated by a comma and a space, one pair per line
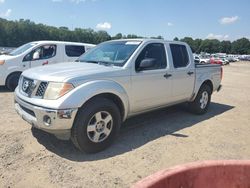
46, 120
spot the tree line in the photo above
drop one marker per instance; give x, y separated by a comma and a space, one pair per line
16, 33
240, 46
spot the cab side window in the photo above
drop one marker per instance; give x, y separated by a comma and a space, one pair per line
179, 55
42, 52
154, 51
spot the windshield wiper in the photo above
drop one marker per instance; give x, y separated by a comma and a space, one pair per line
90, 61
98, 62
105, 63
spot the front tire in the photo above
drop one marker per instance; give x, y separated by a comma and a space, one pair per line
96, 125
12, 81
202, 101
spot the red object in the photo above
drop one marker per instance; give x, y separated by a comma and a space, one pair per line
45, 63
215, 61
207, 174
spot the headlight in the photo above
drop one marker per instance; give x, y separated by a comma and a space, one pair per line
56, 90
2, 62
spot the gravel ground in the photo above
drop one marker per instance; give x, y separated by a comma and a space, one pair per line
147, 143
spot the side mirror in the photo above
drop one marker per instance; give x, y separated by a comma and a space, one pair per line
146, 64
36, 56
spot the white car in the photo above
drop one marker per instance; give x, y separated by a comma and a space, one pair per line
35, 54
204, 60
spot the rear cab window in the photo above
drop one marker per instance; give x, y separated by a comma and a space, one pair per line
179, 55
74, 50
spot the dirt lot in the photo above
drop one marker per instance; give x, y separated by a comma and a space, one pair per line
148, 143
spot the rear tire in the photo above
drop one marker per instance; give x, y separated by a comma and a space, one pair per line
96, 125
12, 81
202, 101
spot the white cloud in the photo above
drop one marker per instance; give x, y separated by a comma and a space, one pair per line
104, 26
6, 13
77, 1
217, 36
228, 20
170, 24
72, 1
2, 1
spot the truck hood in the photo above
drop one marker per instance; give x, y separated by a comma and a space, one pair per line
69, 72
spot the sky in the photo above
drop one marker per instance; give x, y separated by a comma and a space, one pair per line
220, 19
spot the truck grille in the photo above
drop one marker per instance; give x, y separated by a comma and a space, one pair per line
41, 89
33, 88
28, 86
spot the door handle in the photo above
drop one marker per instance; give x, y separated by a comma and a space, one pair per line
167, 75
190, 73
45, 63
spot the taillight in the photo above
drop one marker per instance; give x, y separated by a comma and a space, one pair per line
221, 73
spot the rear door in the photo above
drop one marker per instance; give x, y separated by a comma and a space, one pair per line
183, 73
72, 52
42, 55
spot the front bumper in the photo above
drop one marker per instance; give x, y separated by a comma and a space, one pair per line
57, 122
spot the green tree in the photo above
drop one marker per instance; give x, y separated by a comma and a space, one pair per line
241, 46
158, 37
225, 47
176, 39
117, 36
210, 46
16, 33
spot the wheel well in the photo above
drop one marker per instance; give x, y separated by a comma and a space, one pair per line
17, 72
208, 83
113, 98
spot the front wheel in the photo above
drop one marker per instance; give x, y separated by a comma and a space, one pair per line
96, 125
12, 81
202, 101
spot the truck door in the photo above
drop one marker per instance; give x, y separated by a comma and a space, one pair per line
151, 86
183, 73
42, 55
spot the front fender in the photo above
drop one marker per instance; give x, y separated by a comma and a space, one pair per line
5, 71
77, 97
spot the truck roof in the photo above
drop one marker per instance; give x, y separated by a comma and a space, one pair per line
150, 40
61, 42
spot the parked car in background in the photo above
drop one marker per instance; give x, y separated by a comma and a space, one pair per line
244, 57
35, 54
215, 61
87, 100
204, 60
5, 50
224, 61
196, 59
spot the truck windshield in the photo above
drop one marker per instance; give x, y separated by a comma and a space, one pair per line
22, 49
110, 53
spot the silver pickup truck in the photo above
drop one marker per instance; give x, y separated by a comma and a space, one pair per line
88, 100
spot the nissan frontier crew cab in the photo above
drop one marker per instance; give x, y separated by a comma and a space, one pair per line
86, 101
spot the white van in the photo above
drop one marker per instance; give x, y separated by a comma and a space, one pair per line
35, 54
